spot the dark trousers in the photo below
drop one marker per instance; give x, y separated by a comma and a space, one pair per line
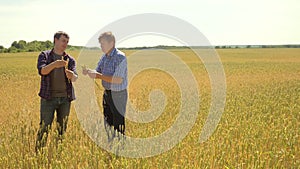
114, 108
48, 107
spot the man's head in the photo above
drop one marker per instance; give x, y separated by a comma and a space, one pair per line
61, 40
107, 41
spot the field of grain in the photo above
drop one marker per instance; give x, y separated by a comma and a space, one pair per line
259, 127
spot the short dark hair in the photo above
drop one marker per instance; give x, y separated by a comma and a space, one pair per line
108, 36
58, 34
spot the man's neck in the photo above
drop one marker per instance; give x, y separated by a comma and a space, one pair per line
58, 52
109, 52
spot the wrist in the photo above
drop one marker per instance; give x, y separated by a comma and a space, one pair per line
74, 77
55, 65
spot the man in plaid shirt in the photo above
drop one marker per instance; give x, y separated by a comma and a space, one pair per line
57, 70
112, 70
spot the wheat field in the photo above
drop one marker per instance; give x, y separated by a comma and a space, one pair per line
259, 127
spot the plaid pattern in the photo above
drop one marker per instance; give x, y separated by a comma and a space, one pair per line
113, 65
46, 58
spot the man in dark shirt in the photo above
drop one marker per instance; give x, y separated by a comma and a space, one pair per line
58, 71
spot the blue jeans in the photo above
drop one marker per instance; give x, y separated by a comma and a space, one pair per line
48, 107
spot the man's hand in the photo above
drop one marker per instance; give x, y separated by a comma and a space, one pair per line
85, 70
59, 63
70, 75
91, 73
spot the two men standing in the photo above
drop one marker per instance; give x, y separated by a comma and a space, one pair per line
58, 71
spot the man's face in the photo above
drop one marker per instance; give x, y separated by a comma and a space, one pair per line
61, 43
106, 46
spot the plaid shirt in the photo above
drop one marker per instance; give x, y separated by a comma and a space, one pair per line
45, 58
113, 65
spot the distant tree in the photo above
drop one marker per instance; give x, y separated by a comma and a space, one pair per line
12, 49
2, 49
14, 44
21, 44
33, 46
291, 46
48, 44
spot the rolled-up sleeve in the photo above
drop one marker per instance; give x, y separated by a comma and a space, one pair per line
98, 68
42, 62
72, 65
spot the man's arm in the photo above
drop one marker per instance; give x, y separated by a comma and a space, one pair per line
71, 72
110, 79
71, 75
56, 64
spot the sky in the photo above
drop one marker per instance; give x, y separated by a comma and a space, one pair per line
222, 22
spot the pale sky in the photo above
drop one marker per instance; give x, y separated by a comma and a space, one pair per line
223, 22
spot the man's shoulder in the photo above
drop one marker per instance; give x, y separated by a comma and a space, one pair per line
45, 53
120, 54
70, 57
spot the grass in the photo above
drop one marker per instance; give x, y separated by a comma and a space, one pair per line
258, 129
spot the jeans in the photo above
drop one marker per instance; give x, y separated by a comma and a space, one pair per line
62, 107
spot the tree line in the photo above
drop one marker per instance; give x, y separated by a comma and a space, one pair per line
258, 46
36, 46
33, 46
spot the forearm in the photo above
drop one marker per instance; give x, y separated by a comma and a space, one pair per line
47, 69
110, 79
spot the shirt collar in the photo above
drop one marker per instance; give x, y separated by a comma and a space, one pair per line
52, 52
112, 53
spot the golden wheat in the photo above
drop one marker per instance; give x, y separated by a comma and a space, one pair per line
258, 129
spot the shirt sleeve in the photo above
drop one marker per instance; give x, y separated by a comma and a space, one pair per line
72, 65
42, 62
98, 68
121, 69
